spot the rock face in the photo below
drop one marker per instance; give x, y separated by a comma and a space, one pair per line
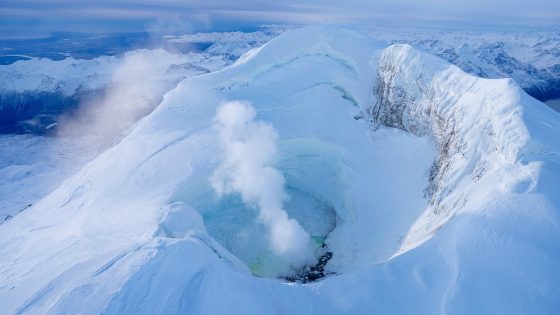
444, 200
464, 115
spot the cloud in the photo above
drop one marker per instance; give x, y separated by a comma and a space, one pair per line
59, 14
248, 169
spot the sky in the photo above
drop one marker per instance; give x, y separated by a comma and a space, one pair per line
36, 18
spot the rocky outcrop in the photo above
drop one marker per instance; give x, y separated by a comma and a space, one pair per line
472, 121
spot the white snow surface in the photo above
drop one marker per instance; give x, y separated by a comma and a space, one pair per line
33, 166
139, 230
128, 87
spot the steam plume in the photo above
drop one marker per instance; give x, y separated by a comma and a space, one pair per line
136, 88
248, 169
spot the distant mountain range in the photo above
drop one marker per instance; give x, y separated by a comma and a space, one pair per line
36, 91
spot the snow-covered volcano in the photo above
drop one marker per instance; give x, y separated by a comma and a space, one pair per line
435, 191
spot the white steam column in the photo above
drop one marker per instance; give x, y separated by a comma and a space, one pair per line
248, 169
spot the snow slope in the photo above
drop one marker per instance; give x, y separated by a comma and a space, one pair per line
435, 191
33, 166
86, 103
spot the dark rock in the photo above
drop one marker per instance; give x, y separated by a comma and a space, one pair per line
316, 272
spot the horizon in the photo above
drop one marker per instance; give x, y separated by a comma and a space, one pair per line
40, 19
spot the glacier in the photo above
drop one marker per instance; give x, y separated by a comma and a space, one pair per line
435, 191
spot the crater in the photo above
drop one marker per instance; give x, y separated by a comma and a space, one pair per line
235, 225
353, 207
